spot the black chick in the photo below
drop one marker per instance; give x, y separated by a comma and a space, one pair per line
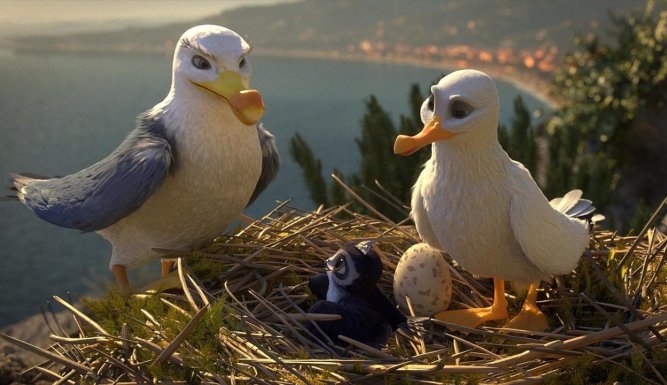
349, 289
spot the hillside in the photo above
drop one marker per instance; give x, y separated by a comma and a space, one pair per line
531, 34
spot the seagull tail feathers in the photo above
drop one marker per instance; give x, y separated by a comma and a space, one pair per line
572, 205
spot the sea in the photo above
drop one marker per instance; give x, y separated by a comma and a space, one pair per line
60, 112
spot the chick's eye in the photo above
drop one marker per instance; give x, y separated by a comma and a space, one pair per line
339, 264
461, 109
242, 63
200, 62
431, 102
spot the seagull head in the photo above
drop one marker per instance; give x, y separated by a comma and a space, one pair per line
213, 60
463, 104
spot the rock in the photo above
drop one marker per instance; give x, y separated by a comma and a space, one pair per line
11, 367
14, 360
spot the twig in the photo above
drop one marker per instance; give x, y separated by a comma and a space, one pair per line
640, 236
86, 371
171, 348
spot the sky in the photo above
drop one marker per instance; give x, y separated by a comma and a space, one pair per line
28, 17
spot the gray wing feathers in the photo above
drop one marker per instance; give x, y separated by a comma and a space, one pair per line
270, 161
581, 209
100, 195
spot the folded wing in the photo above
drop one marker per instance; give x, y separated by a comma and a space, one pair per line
100, 195
549, 238
270, 161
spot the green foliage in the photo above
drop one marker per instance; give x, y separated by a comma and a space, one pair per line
641, 216
377, 134
609, 135
204, 266
203, 351
379, 165
311, 167
619, 80
520, 140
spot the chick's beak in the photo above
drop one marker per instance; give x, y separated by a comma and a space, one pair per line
432, 131
247, 104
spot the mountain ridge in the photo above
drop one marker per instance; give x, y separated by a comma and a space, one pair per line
345, 24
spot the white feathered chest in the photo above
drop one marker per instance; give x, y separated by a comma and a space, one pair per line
466, 199
216, 167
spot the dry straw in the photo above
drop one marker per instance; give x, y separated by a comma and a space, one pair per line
611, 314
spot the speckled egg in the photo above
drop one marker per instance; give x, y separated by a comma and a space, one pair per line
422, 275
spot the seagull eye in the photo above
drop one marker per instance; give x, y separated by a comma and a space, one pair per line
431, 102
461, 109
242, 63
200, 62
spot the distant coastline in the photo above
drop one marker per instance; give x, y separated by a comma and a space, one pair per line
529, 83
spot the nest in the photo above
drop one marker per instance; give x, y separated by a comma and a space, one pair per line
236, 315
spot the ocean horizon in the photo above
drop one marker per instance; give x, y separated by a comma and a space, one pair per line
60, 112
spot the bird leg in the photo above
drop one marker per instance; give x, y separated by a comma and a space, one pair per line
168, 281
120, 272
530, 317
167, 265
472, 318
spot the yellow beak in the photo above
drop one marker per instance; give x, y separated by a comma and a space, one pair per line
432, 131
247, 104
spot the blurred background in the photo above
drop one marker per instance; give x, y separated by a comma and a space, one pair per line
582, 87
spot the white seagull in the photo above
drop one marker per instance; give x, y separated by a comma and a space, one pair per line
484, 209
190, 167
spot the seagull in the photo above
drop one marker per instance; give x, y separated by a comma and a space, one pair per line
484, 209
190, 166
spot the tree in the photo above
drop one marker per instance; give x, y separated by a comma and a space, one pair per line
394, 174
609, 137
312, 169
520, 140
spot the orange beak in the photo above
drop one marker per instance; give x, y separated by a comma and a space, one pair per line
247, 104
432, 131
